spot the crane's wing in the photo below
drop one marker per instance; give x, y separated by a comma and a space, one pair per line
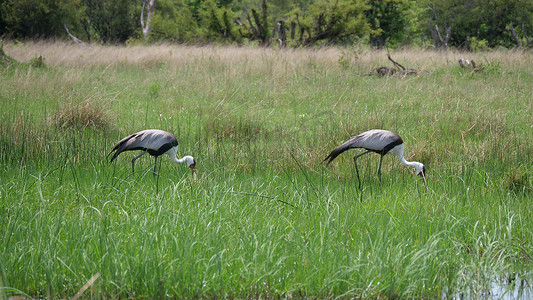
151, 139
377, 140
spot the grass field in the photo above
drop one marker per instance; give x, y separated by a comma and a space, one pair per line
265, 217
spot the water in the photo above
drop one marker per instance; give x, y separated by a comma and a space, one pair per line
520, 289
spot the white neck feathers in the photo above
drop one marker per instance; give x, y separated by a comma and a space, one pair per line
186, 159
398, 151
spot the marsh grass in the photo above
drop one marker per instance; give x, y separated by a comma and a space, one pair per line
265, 217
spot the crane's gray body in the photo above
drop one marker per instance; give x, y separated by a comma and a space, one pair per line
375, 140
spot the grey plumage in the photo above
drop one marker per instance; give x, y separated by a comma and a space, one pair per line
375, 140
155, 141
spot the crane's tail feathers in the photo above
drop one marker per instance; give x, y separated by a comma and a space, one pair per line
110, 153
336, 152
120, 146
114, 156
118, 151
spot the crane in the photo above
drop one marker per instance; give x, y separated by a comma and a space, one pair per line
154, 142
381, 142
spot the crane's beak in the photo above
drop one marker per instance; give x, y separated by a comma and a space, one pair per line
192, 167
423, 175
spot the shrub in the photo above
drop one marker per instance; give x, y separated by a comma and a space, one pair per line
88, 113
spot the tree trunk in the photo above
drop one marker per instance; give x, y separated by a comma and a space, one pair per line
146, 25
293, 30
261, 26
440, 41
255, 32
282, 34
511, 29
520, 44
529, 41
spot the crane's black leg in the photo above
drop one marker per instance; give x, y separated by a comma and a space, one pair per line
355, 162
379, 168
133, 161
155, 166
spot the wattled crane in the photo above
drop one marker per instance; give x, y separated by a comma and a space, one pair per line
154, 142
381, 142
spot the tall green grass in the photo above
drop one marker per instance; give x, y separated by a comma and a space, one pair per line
264, 217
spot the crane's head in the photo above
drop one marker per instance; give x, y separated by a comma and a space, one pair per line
191, 162
420, 170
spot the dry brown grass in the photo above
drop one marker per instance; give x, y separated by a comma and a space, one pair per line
88, 113
67, 54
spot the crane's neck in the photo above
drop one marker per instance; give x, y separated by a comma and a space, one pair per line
413, 164
178, 161
398, 151
419, 167
182, 160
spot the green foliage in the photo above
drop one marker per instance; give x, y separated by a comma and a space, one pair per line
308, 22
388, 21
216, 23
173, 21
37, 18
477, 45
109, 20
484, 19
330, 21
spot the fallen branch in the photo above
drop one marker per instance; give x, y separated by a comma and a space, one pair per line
72, 37
395, 63
398, 70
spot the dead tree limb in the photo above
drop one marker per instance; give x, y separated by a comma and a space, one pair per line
519, 43
511, 30
72, 37
441, 42
395, 63
398, 69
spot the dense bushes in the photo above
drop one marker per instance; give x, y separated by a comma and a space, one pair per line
390, 23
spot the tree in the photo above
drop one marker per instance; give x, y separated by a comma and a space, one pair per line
440, 38
37, 19
484, 21
260, 29
173, 21
329, 21
387, 20
337, 21
217, 23
110, 20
